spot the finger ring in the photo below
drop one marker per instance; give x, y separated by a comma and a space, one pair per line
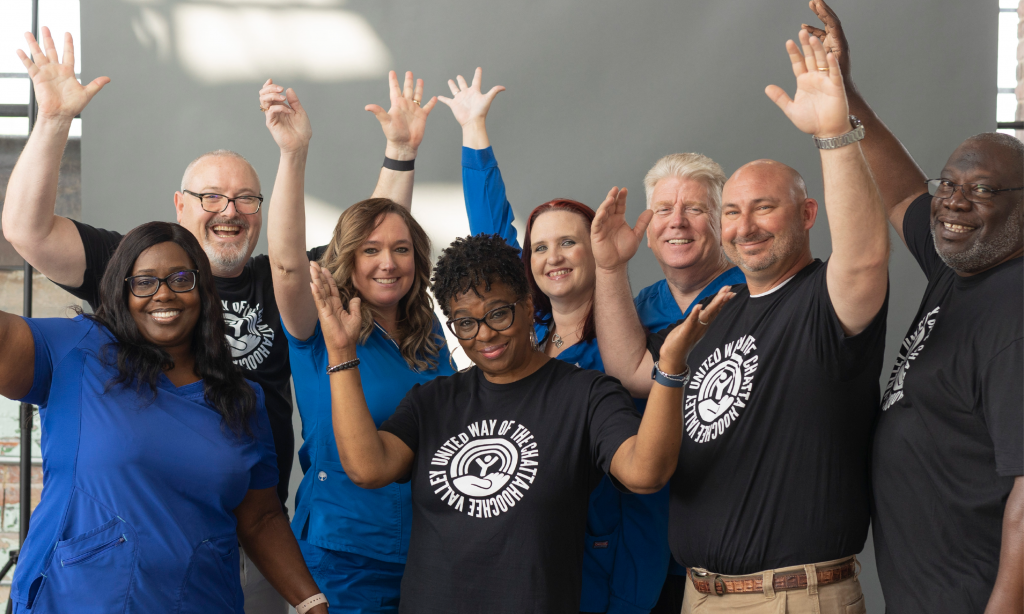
820, 69
415, 101
701, 322
262, 109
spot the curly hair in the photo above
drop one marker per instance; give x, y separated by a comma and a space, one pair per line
471, 262
419, 344
139, 362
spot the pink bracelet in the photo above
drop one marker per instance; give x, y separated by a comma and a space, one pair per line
308, 604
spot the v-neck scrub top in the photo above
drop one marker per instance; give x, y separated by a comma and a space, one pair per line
136, 513
330, 511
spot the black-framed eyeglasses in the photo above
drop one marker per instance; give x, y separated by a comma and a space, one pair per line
974, 192
497, 319
218, 203
148, 285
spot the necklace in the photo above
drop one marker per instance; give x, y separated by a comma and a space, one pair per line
557, 340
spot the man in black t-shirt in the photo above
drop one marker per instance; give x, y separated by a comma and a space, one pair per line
212, 205
770, 499
948, 456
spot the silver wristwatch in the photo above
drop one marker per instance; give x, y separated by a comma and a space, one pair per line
835, 142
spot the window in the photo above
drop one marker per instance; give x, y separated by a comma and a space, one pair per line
1010, 92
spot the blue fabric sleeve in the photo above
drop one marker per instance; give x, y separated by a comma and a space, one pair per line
54, 338
487, 207
264, 474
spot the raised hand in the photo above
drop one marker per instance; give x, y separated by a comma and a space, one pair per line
340, 326
611, 238
286, 119
681, 340
468, 103
832, 37
819, 106
406, 121
58, 93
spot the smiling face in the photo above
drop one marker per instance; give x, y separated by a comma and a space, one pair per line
166, 319
972, 237
384, 264
496, 353
228, 237
682, 232
766, 218
561, 260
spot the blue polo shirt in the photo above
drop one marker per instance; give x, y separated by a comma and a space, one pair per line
141, 487
330, 511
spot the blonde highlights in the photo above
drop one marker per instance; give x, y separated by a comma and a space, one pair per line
419, 344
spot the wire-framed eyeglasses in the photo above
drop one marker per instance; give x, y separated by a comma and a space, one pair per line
497, 319
218, 203
148, 285
974, 192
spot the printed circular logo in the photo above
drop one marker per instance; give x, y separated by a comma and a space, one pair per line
249, 338
487, 468
911, 348
720, 388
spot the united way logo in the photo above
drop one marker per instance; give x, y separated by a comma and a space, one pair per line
487, 469
911, 348
249, 338
719, 389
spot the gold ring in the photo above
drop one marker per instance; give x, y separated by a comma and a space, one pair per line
820, 69
262, 109
415, 101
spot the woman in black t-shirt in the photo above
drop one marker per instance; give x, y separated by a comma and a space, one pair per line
502, 457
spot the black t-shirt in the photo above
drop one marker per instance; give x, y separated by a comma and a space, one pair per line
949, 440
500, 485
253, 331
777, 418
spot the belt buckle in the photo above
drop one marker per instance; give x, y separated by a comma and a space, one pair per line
714, 581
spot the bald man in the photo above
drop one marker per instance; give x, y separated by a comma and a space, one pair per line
770, 500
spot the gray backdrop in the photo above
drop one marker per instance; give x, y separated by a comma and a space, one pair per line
597, 91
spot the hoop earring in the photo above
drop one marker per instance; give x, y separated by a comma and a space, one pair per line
533, 338
451, 362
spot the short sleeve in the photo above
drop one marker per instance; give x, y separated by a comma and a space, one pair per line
1002, 405
99, 247
917, 232
405, 422
264, 473
613, 420
54, 338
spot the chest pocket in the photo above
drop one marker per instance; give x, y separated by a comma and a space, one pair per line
92, 571
212, 581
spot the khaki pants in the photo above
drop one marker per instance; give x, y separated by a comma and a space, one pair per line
843, 597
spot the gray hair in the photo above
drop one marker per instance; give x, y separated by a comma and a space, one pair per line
217, 153
694, 166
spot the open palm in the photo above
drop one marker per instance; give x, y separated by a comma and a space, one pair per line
405, 123
819, 106
612, 240
468, 103
58, 92
340, 326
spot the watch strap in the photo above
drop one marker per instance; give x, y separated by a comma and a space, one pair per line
668, 380
399, 165
835, 142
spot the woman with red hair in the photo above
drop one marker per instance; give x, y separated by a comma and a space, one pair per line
626, 550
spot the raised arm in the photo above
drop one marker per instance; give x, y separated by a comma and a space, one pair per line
487, 206
1008, 592
286, 227
645, 462
371, 458
49, 242
620, 336
900, 180
17, 361
858, 268
404, 125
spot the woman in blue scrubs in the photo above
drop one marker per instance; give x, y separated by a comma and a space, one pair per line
355, 541
157, 453
626, 553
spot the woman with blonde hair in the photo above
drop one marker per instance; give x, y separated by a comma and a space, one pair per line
354, 541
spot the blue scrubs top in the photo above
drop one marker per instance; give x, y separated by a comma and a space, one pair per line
626, 552
330, 511
137, 513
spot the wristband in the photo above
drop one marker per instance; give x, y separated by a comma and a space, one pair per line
351, 364
670, 381
399, 165
308, 604
842, 140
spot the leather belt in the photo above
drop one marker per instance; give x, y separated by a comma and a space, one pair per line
715, 584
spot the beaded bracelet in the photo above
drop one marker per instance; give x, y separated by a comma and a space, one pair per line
351, 364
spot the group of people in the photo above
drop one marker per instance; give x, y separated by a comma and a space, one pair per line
716, 443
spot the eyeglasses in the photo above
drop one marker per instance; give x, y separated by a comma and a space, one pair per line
148, 285
218, 203
497, 319
974, 192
